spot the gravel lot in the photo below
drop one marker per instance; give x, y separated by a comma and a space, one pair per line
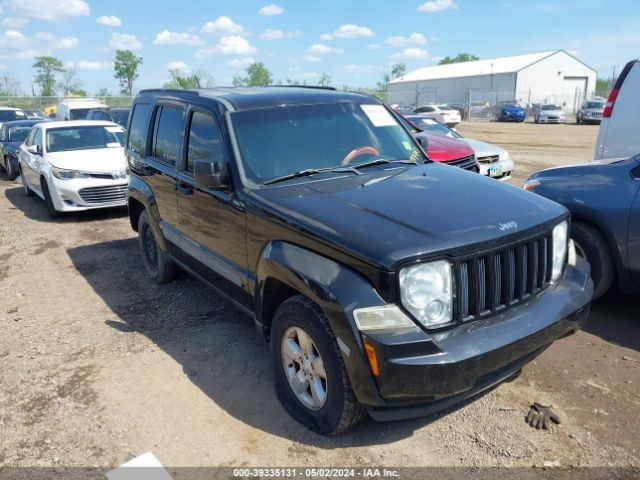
99, 366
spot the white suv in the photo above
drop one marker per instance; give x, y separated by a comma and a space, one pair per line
75, 165
618, 136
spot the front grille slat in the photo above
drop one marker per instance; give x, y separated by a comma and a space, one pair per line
466, 163
103, 195
494, 281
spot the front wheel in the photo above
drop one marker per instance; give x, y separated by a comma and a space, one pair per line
591, 245
158, 264
25, 186
51, 208
310, 376
11, 174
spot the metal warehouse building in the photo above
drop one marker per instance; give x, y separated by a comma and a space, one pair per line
547, 77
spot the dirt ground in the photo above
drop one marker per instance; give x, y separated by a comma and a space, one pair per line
97, 365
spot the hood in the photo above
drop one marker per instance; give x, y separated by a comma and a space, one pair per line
577, 169
98, 160
399, 214
441, 148
552, 112
12, 146
483, 149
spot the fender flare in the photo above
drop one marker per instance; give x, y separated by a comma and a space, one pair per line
142, 193
337, 289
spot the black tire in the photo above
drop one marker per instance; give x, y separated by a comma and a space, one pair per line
591, 243
10, 172
51, 208
158, 264
341, 411
25, 188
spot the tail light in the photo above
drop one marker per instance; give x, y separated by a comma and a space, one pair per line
610, 102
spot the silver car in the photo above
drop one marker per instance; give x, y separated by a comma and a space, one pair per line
590, 111
495, 162
550, 113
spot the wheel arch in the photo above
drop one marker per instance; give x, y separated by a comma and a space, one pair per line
141, 198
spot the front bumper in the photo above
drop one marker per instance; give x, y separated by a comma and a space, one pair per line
500, 170
511, 117
422, 373
88, 193
551, 120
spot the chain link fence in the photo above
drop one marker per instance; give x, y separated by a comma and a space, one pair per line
47, 104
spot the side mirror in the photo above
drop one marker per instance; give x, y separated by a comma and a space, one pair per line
210, 175
35, 149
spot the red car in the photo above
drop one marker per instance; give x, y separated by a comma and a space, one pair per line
444, 149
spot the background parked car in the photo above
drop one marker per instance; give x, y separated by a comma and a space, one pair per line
77, 108
510, 112
12, 134
590, 111
76, 165
7, 114
550, 113
119, 115
618, 135
605, 210
460, 108
35, 114
441, 113
494, 161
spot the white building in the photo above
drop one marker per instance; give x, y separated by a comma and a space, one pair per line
547, 77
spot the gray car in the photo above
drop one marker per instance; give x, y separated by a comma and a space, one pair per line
550, 113
590, 111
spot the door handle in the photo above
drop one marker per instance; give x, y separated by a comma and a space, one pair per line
183, 189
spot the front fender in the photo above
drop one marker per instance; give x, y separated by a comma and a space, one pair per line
142, 193
338, 290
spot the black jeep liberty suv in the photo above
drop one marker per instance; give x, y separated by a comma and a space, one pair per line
385, 283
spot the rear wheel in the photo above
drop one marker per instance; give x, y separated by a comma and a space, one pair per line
310, 376
591, 245
51, 208
158, 264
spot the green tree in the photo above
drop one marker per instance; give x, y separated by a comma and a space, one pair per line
46, 69
461, 57
603, 84
398, 70
198, 79
257, 76
126, 69
103, 92
9, 85
325, 80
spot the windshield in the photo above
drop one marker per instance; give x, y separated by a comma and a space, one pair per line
551, 107
433, 126
595, 105
121, 117
8, 115
282, 140
78, 113
84, 138
18, 133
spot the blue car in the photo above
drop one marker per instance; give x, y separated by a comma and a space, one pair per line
604, 201
511, 112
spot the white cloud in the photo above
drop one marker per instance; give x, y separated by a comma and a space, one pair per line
178, 65
230, 45
90, 65
311, 58
437, 5
357, 68
124, 41
166, 37
411, 54
272, 34
374, 46
15, 45
413, 39
15, 22
348, 31
241, 62
109, 21
271, 10
320, 49
222, 26
53, 11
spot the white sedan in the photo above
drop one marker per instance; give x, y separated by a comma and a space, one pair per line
440, 113
495, 162
75, 165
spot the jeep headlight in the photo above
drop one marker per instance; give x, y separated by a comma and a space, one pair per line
560, 241
425, 291
63, 174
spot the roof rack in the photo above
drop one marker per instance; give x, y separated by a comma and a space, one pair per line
196, 91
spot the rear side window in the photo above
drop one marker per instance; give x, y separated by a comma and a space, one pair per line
169, 125
205, 143
138, 130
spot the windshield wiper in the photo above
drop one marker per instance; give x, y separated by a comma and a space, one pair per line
381, 161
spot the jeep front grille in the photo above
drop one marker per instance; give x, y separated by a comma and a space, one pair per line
495, 281
104, 195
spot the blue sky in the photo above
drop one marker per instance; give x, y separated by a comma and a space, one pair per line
353, 41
